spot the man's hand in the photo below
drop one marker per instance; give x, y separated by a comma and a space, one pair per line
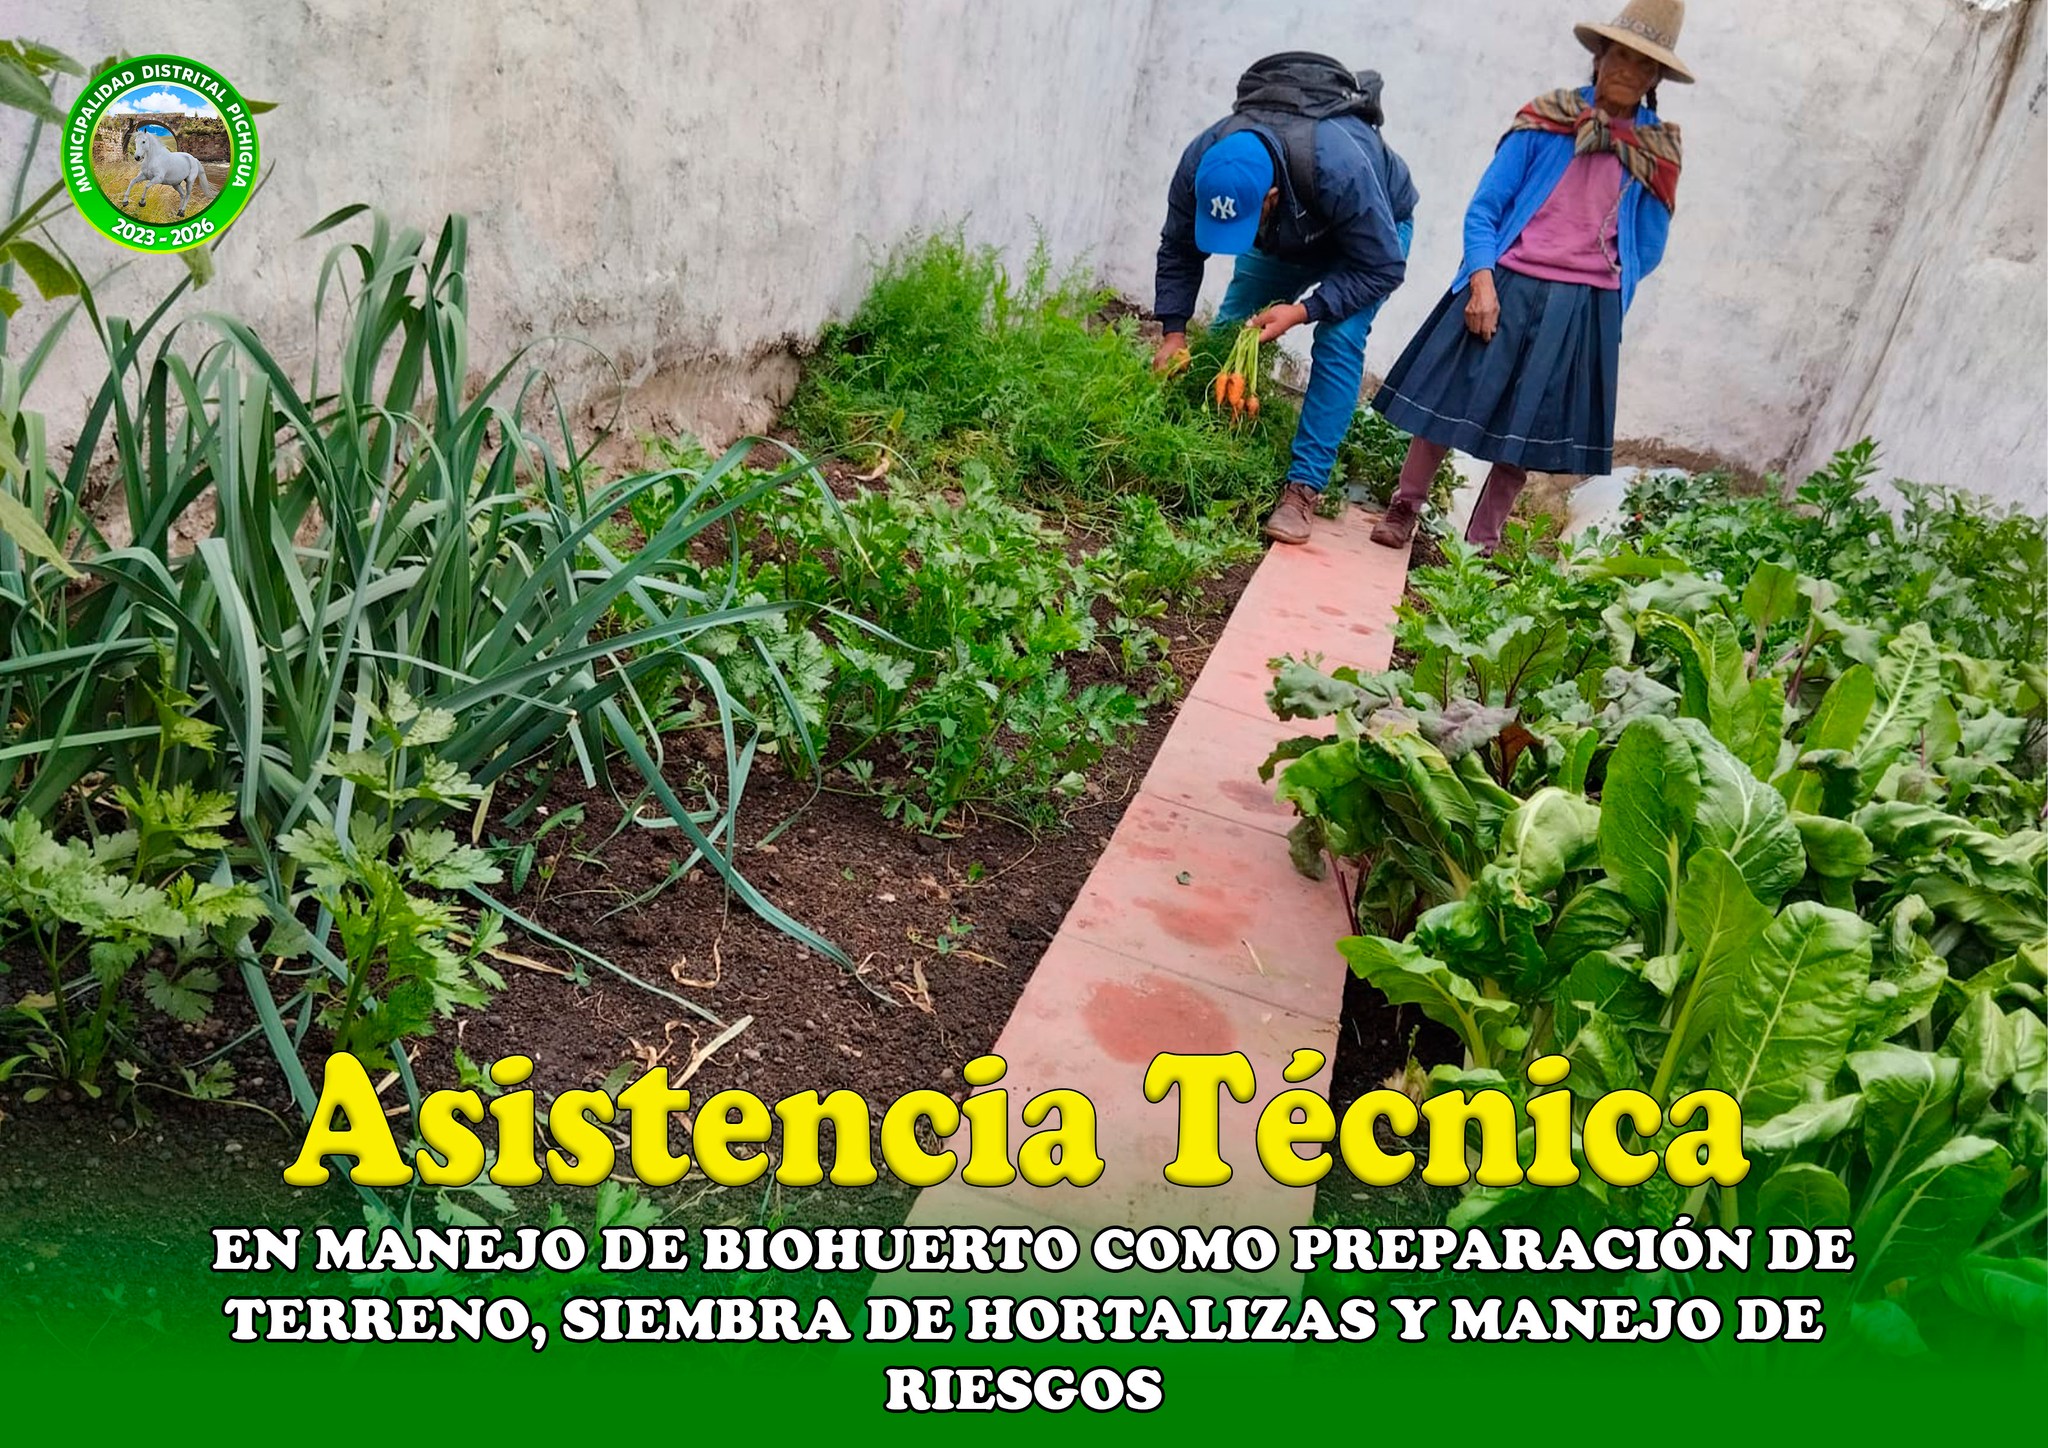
1482, 308
1275, 322
1172, 354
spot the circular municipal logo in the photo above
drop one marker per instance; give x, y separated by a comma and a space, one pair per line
160, 153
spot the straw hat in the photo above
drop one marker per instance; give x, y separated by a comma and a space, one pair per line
1647, 26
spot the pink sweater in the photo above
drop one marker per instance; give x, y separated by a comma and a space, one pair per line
1572, 236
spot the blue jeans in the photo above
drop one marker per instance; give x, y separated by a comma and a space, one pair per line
1336, 357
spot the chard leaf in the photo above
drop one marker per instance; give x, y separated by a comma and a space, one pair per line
1646, 815
2007, 921
2007, 1289
2021, 975
1303, 691
1577, 749
1835, 849
1802, 1194
1900, 997
1908, 686
1610, 984
1832, 773
1548, 836
1406, 976
1888, 1328
1933, 1215
1836, 725
1745, 715
1994, 736
1601, 1055
1838, 719
1516, 918
1464, 726
1598, 917
1666, 972
1305, 844
1804, 1124
1418, 787
1632, 694
2029, 1052
1324, 784
1741, 814
1720, 922
1908, 1104
1459, 933
1786, 1021
1984, 1041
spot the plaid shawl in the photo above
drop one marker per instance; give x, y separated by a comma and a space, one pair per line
1651, 153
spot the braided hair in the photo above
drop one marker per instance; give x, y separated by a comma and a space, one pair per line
1650, 97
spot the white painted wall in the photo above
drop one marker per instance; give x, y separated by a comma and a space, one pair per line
1947, 365
669, 181
1857, 248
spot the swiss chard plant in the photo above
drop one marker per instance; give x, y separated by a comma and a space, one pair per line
1692, 832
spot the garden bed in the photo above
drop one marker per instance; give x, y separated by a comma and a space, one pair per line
945, 931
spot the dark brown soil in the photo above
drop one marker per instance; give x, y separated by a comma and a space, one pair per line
941, 933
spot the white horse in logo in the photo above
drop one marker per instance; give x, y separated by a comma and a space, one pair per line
161, 166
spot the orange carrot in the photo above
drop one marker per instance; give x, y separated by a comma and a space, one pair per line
1251, 405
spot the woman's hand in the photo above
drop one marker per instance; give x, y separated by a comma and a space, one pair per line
1482, 308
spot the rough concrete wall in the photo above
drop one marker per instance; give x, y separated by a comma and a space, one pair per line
1948, 362
690, 187
670, 182
1802, 167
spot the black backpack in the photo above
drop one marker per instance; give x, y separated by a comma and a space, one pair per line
1288, 93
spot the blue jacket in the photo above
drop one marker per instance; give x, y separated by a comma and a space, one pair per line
1525, 170
1363, 191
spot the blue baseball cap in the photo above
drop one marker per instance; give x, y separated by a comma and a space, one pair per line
1231, 183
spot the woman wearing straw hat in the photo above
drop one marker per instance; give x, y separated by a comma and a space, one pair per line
1517, 363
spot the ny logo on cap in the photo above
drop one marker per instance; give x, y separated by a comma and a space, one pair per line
1223, 208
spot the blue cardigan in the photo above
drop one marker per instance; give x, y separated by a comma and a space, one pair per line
1525, 170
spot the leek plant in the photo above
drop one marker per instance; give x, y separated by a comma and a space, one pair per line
401, 525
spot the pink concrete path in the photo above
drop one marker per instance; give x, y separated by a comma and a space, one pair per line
1194, 933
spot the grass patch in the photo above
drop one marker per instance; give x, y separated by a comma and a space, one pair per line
951, 360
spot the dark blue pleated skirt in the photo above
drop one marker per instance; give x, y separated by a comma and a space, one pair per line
1539, 395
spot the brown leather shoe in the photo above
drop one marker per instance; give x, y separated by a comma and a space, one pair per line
1295, 517
1397, 527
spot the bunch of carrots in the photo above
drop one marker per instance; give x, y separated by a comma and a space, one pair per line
1237, 385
